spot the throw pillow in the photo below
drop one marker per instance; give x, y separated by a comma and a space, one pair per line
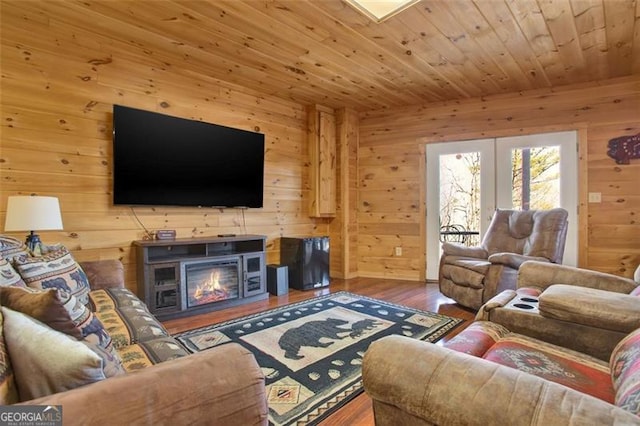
8, 390
64, 313
625, 372
45, 306
11, 248
46, 361
58, 270
8, 275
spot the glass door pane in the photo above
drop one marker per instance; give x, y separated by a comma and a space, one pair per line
539, 172
460, 195
460, 198
535, 178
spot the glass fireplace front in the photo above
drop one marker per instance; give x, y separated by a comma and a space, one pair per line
211, 281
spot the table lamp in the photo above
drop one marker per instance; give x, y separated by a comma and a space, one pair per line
32, 213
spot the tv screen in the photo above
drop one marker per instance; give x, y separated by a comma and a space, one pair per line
164, 160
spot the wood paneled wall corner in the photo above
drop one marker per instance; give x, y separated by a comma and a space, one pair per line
390, 210
343, 228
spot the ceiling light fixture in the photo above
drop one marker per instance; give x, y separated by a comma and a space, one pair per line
379, 10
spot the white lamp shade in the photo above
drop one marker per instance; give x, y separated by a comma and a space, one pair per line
32, 213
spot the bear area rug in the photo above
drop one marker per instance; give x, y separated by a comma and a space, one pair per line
311, 352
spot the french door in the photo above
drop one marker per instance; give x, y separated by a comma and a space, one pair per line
468, 180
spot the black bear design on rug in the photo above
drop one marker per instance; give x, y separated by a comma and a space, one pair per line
309, 334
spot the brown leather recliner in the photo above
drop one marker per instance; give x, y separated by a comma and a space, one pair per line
473, 275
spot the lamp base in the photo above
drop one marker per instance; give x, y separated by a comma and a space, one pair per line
33, 243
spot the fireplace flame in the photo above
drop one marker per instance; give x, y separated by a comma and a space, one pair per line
210, 287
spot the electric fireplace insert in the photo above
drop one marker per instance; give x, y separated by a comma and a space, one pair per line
210, 281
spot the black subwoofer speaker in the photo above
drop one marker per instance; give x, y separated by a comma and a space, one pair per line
277, 279
308, 261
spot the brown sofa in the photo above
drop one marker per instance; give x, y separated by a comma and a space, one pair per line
504, 378
568, 306
163, 384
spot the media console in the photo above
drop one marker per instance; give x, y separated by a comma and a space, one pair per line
188, 276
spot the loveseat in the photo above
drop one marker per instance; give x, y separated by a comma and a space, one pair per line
488, 375
104, 357
569, 306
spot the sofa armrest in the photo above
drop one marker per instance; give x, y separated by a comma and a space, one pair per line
107, 273
442, 386
450, 249
498, 301
591, 307
513, 260
540, 274
223, 385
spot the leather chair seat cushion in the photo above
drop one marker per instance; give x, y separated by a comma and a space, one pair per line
575, 370
585, 306
477, 338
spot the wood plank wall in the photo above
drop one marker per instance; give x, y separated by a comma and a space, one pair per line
391, 207
59, 83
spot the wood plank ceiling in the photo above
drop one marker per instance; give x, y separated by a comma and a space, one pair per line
326, 52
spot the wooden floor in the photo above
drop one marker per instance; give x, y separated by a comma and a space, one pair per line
409, 293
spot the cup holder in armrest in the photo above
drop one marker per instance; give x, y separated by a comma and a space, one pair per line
523, 306
524, 303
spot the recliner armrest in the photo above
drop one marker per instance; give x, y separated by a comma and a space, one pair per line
540, 274
442, 386
513, 260
596, 308
498, 301
449, 249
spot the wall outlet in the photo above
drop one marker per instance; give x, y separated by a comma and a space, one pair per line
595, 197
398, 251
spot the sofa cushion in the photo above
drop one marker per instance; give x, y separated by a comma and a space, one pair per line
46, 361
125, 317
575, 370
54, 270
625, 372
63, 312
9, 276
8, 389
477, 338
141, 355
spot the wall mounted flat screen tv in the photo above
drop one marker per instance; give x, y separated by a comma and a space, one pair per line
170, 161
